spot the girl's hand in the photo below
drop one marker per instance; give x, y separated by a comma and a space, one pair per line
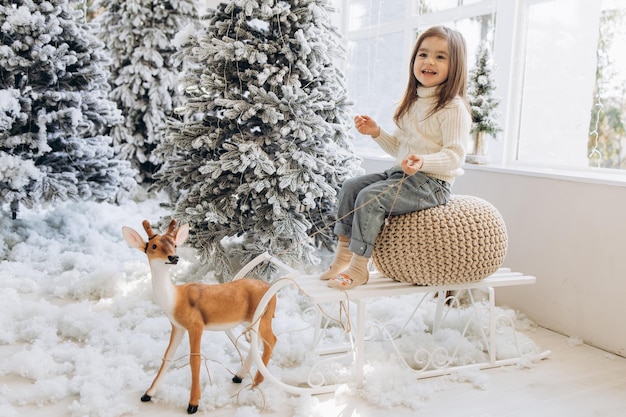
411, 164
366, 126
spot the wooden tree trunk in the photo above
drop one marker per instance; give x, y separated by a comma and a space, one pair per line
479, 153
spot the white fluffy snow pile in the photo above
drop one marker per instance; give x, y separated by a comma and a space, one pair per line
78, 325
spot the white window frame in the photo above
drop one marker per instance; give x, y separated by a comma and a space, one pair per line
508, 52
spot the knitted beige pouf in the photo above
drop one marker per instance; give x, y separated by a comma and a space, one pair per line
464, 240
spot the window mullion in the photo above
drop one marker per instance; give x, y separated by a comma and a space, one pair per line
508, 55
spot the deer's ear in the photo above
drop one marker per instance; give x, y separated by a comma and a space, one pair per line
133, 238
181, 234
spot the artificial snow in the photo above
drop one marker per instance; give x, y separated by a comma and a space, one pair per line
78, 326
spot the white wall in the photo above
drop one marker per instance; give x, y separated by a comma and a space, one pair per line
572, 237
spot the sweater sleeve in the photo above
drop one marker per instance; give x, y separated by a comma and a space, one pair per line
388, 143
455, 123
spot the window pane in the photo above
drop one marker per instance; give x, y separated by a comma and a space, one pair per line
376, 80
558, 80
474, 30
607, 137
368, 13
429, 6
377, 65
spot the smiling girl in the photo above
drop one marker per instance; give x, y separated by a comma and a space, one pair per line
433, 124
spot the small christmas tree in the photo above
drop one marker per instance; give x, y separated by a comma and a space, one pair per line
266, 145
482, 103
54, 111
144, 79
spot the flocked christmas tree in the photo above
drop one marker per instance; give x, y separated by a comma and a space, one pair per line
266, 145
54, 111
483, 103
139, 35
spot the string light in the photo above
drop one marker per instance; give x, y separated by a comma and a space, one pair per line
595, 151
595, 132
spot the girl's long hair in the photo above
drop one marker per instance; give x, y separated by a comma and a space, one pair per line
455, 85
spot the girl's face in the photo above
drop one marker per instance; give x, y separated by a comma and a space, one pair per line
432, 62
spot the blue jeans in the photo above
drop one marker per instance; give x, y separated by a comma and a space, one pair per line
364, 205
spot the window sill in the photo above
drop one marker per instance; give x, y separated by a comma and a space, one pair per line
591, 175
373, 155
615, 178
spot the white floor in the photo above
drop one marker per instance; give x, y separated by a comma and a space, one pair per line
576, 381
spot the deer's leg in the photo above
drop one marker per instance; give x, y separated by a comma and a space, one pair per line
175, 338
245, 367
240, 374
195, 339
269, 341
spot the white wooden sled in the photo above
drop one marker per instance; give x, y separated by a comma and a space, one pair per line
433, 363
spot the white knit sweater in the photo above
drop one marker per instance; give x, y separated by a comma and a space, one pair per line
441, 139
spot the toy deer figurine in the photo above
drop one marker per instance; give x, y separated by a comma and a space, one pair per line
195, 307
